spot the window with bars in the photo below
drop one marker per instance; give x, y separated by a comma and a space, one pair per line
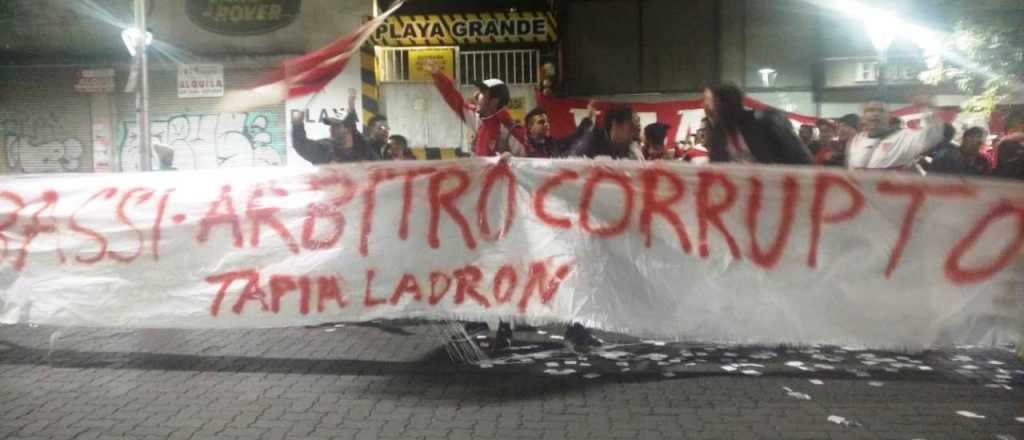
511, 66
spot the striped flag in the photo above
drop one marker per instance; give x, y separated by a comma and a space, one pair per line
306, 74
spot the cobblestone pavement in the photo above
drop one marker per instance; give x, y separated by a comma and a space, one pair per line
369, 382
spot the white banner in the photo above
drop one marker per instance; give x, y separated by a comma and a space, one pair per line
200, 80
737, 254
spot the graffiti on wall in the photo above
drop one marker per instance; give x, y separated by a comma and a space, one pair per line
39, 143
202, 141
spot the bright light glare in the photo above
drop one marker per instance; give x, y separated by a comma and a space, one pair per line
881, 29
131, 36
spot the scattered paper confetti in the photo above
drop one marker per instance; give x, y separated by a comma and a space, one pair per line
728, 368
541, 332
816, 382
555, 372
551, 364
622, 364
969, 367
995, 363
924, 368
970, 415
557, 337
796, 394
571, 362
486, 365
794, 364
752, 372
330, 330
339, 325
842, 421
876, 383
591, 376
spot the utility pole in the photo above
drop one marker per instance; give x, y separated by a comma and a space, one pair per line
142, 95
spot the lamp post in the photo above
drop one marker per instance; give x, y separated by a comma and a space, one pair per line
137, 39
881, 29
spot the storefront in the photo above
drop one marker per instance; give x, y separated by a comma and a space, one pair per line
511, 46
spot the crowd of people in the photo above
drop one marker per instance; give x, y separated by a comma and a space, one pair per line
729, 133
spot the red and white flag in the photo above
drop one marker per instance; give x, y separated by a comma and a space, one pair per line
306, 74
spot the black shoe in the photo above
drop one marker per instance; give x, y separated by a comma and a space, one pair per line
475, 328
503, 339
580, 339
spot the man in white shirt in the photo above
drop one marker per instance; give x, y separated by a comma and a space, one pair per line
881, 146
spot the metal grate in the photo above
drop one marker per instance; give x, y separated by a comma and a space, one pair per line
511, 66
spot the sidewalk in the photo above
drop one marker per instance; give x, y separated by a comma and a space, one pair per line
397, 383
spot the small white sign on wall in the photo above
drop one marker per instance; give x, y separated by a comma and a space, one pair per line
200, 80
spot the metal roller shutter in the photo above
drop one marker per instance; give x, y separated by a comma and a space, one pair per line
45, 126
202, 137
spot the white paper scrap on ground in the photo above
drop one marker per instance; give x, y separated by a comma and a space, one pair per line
839, 420
970, 415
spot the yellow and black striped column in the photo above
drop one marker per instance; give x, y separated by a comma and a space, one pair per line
370, 88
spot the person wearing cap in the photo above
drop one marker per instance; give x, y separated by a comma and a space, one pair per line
542, 145
654, 142
496, 132
344, 145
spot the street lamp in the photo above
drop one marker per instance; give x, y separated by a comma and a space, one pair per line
881, 29
136, 39
131, 36
768, 76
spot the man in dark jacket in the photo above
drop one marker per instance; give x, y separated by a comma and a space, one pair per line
378, 134
741, 135
538, 132
965, 159
614, 140
344, 145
